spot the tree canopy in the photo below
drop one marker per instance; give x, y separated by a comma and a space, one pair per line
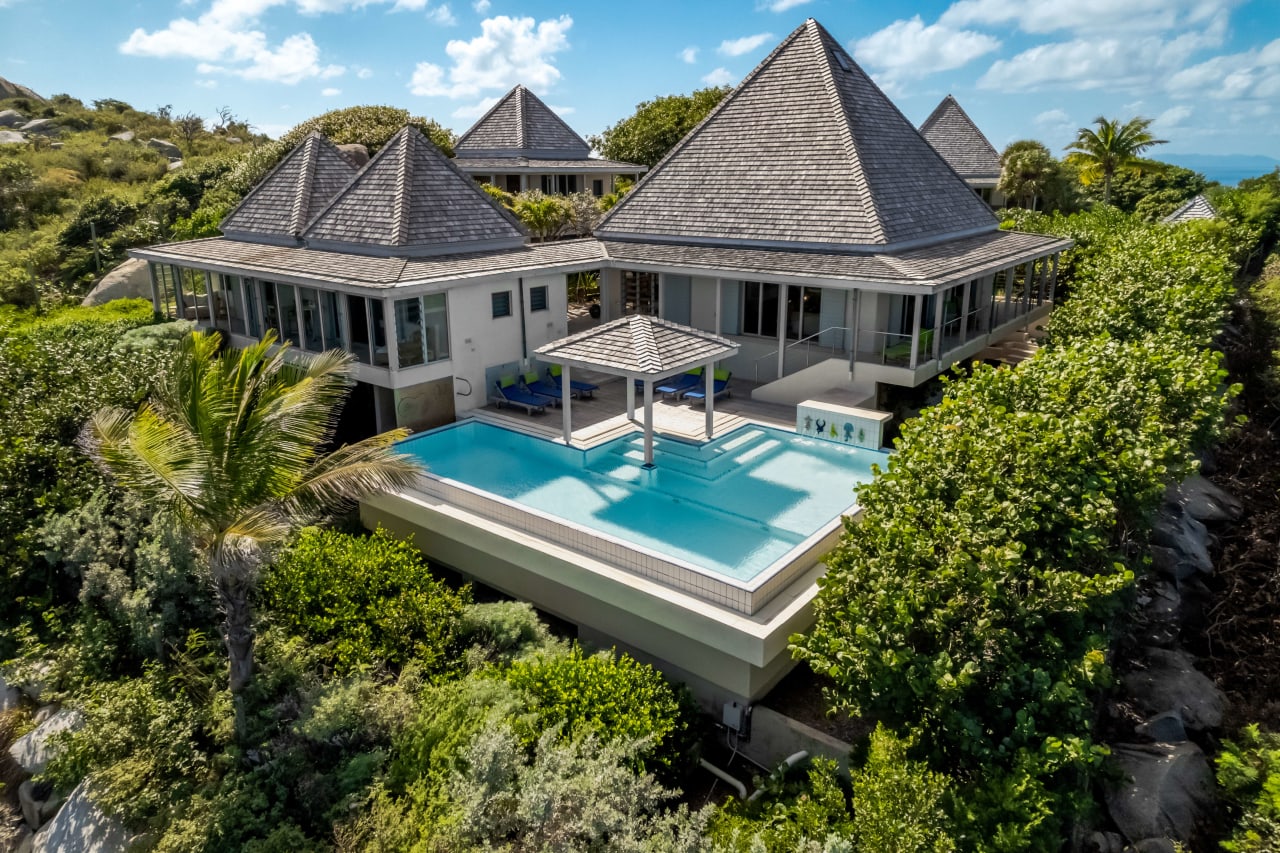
647, 135
1101, 152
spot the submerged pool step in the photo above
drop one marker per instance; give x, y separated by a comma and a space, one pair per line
695, 460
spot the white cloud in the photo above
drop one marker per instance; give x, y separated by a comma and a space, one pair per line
1254, 74
228, 39
442, 16
689, 55
909, 48
781, 5
481, 6
1050, 118
207, 84
1119, 64
719, 77
1095, 16
507, 51
746, 44
562, 111
364, 73
1171, 118
330, 92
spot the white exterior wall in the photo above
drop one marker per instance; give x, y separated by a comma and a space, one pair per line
543, 327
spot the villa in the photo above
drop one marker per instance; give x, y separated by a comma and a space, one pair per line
521, 144
965, 148
802, 252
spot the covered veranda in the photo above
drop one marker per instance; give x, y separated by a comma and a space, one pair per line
642, 350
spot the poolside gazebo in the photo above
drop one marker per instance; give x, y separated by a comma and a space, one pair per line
638, 348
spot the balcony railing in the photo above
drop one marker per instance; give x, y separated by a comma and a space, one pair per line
808, 342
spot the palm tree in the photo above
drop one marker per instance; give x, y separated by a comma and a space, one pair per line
231, 444
1110, 148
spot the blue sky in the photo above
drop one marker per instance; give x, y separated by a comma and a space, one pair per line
1208, 71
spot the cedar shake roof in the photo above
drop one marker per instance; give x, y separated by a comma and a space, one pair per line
410, 201
290, 263
1198, 208
521, 125
639, 346
807, 152
532, 165
279, 208
925, 266
954, 135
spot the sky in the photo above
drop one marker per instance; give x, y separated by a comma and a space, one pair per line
1207, 71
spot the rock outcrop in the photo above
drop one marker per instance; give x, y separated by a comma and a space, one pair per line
1168, 791
166, 148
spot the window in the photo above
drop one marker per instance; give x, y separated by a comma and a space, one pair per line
289, 328
410, 342
502, 303
538, 298
559, 184
270, 308
359, 328
312, 338
435, 312
513, 183
251, 307
234, 303
481, 179
331, 311
640, 293
597, 187
760, 309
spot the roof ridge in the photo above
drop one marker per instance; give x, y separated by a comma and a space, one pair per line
859, 174
404, 177
697, 128
306, 177
522, 95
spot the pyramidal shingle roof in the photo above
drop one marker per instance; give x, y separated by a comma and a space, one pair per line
1197, 208
278, 209
521, 125
954, 135
807, 152
411, 201
638, 345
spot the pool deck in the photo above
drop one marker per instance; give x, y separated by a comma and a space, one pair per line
603, 417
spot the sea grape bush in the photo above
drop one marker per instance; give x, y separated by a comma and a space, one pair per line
972, 604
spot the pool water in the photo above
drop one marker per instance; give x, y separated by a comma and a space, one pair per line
732, 506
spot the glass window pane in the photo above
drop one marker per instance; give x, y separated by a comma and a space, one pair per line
359, 329
289, 327
769, 310
231, 292
410, 346
332, 305
502, 303
751, 308
270, 307
436, 320
251, 307
379, 333
311, 338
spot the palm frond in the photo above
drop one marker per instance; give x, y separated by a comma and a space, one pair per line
350, 473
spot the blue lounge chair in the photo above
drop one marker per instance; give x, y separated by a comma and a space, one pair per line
719, 385
677, 385
584, 389
511, 394
531, 383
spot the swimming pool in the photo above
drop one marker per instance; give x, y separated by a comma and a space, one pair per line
732, 507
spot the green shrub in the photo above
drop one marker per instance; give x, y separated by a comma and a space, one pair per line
501, 631
368, 600
611, 695
898, 804
1248, 771
809, 816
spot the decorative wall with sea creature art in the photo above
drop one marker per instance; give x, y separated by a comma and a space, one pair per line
841, 424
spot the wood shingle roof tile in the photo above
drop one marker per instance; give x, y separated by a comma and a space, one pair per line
806, 152
639, 345
301, 184
954, 135
521, 125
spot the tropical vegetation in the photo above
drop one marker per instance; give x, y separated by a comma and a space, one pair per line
1112, 147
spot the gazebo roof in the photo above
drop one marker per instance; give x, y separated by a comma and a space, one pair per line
638, 346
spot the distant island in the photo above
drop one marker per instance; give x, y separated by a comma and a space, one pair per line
1227, 169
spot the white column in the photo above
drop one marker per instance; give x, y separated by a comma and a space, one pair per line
631, 397
915, 330
854, 307
719, 303
345, 315
782, 329
565, 396
302, 333
648, 423
938, 302
709, 380
389, 333
966, 295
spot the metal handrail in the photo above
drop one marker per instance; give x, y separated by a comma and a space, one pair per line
807, 340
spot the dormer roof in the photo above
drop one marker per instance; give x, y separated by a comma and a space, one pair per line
807, 153
279, 208
954, 135
411, 201
521, 125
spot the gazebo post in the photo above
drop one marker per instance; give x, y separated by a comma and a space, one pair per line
709, 377
648, 422
565, 397
631, 398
